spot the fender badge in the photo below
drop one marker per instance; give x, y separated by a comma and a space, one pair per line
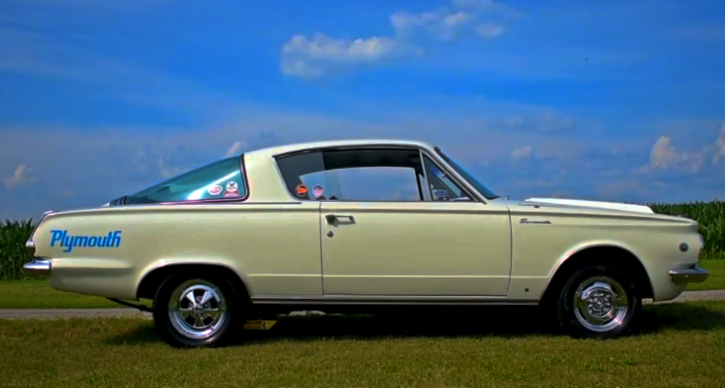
528, 221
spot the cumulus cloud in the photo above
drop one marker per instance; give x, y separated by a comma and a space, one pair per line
317, 55
522, 153
665, 155
236, 148
22, 175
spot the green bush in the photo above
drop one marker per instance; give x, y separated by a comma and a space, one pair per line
710, 215
13, 235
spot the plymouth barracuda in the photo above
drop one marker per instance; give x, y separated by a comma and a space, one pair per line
359, 226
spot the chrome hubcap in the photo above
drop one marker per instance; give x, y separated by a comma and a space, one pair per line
197, 309
600, 303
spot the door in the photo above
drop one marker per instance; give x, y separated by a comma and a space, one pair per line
394, 224
417, 248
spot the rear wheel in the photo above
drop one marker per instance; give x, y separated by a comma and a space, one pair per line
599, 302
197, 310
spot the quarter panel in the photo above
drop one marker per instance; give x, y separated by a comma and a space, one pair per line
274, 248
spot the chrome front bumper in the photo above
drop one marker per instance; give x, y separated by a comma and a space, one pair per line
688, 275
38, 267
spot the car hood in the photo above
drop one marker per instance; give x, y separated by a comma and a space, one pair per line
582, 204
594, 208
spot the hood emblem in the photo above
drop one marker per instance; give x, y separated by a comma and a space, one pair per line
528, 221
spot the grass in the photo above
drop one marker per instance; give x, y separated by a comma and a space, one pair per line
37, 294
681, 345
716, 280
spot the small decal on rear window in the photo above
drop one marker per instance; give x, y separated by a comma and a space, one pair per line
232, 189
214, 190
318, 190
301, 190
110, 240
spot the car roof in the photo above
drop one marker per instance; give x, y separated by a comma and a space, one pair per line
289, 148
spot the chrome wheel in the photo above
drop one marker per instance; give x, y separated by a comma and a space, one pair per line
600, 304
197, 309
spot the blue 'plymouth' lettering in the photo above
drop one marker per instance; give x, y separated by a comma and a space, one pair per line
111, 240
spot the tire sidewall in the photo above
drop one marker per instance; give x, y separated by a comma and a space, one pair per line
161, 311
565, 304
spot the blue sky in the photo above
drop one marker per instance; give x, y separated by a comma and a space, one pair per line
606, 100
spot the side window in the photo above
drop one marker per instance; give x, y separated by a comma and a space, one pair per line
306, 177
218, 180
378, 184
441, 186
354, 175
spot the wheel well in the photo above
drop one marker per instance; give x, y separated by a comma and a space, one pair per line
152, 280
617, 257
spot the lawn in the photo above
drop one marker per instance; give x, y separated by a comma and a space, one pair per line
37, 293
681, 345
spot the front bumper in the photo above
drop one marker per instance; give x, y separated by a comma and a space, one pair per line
38, 267
688, 275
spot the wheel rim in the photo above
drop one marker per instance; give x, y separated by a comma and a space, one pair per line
600, 304
197, 309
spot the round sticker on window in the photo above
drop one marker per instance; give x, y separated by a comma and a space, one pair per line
214, 190
301, 190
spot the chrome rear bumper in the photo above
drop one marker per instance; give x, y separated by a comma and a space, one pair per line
38, 267
688, 275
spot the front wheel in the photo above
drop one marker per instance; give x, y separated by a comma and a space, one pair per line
196, 310
599, 302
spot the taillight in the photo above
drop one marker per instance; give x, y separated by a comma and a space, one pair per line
30, 244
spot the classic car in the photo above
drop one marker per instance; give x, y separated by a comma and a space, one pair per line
358, 226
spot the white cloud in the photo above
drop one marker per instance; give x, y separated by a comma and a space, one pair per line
720, 145
22, 175
236, 148
319, 55
522, 153
665, 156
484, 18
314, 56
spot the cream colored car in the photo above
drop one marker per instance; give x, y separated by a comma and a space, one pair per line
357, 226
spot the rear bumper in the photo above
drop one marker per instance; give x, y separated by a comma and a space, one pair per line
688, 275
38, 267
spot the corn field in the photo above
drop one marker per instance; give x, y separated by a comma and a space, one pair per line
13, 235
710, 215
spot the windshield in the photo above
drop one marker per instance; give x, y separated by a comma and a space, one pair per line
468, 176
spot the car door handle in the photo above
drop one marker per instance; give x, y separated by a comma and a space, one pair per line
331, 217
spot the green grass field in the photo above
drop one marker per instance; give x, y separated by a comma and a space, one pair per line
681, 345
37, 293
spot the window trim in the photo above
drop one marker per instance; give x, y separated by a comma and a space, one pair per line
472, 193
245, 183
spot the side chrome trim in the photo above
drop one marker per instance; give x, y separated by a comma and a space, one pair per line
38, 267
413, 301
688, 275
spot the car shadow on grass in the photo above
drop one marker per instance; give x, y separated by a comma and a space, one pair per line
504, 322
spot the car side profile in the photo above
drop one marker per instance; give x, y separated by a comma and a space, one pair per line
360, 226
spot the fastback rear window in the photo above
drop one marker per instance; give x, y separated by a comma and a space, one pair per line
222, 179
